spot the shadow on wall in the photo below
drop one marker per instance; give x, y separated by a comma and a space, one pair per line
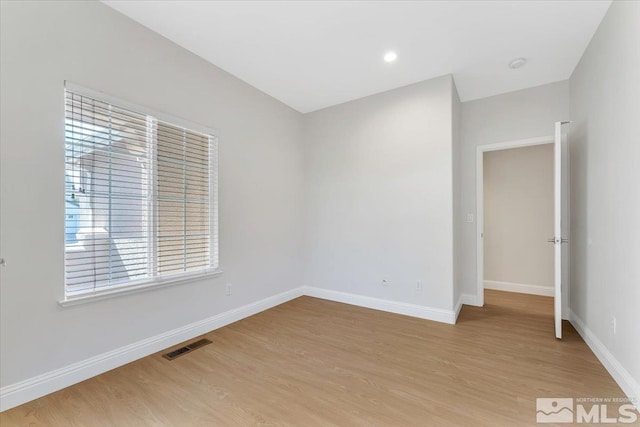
578, 154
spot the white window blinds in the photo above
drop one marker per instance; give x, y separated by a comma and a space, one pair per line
140, 198
183, 199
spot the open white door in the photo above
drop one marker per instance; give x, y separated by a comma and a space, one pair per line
559, 198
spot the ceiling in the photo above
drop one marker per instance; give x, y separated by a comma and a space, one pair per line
311, 55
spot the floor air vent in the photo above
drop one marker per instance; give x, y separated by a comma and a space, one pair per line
186, 349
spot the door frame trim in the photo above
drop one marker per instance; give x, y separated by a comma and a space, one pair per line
480, 150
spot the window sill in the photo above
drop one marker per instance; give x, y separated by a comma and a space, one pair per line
88, 297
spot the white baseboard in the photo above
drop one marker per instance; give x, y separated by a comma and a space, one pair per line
457, 308
465, 299
522, 288
24, 391
627, 383
469, 299
41, 385
429, 313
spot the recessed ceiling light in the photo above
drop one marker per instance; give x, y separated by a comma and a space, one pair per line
517, 63
390, 57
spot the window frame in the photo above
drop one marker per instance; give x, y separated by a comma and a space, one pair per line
156, 282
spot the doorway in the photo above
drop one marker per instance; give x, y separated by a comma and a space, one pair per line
482, 152
518, 219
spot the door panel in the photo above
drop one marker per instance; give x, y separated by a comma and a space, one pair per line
560, 217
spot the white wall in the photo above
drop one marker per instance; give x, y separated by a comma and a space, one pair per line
457, 195
523, 114
605, 187
88, 43
518, 218
379, 195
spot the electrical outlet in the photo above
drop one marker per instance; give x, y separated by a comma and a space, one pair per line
228, 289
385, 282
614, 324
418, 286
469, 217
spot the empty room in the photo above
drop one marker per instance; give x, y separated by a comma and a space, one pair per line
319, 213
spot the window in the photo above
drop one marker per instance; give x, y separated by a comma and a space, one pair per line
140, 198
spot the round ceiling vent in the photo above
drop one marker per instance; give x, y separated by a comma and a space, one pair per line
517, 63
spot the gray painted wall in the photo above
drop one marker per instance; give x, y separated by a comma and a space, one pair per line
517, 115
605, 185
457, 196
379, 195
88, 43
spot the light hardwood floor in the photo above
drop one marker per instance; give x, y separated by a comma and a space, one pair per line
311, 362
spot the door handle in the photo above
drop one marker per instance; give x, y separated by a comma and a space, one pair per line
554, 240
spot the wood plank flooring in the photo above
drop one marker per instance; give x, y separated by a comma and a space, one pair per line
312, 362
